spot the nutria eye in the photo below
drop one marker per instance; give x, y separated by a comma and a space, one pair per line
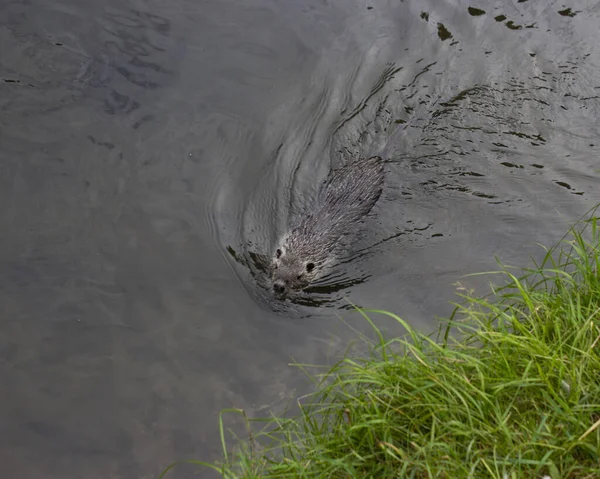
278, 253
310, 267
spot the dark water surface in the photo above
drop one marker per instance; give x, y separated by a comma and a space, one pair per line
151, 151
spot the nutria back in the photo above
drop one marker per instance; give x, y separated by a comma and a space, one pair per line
305, 252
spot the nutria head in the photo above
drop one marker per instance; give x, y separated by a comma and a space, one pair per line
292, 271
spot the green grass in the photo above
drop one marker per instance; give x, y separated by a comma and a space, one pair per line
509, 389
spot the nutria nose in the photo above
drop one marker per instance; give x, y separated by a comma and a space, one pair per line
279, 288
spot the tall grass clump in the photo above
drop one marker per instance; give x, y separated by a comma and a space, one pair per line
510, 389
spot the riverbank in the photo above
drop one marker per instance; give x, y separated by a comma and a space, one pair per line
509, 389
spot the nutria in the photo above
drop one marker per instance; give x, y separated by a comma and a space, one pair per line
305, 252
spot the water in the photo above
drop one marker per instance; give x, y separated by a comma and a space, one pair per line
150, 152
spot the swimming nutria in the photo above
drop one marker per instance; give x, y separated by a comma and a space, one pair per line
304, 253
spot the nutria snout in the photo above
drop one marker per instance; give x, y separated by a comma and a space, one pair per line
306, 252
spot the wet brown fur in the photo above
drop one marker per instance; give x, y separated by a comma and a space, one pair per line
318, 238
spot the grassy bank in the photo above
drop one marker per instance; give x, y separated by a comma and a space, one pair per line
510, 388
